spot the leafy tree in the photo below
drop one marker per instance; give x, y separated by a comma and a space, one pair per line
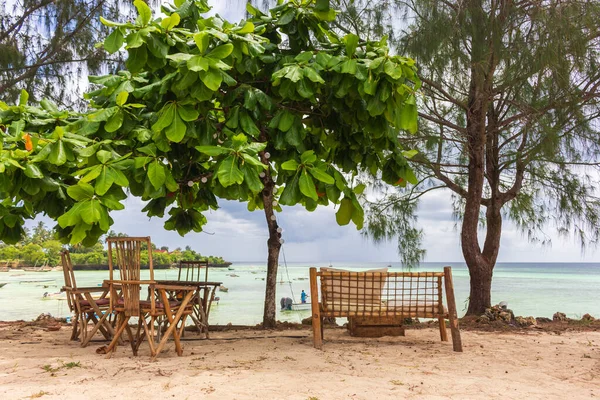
508, 123
41, 234
52, 249
9, 253
208, 109
47, 46
32, 252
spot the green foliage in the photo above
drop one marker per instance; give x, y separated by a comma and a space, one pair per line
528, 72
203, 109
47, 47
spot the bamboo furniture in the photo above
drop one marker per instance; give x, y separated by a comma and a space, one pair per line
127, 254
85, 307
190, 273
385, 296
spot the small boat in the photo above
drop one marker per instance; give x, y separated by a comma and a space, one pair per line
36, 280
3, 284
301, 307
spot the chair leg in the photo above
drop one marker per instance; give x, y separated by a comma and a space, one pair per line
75, 323
83, 334
122, 321
443, 332
132, 339
173, 321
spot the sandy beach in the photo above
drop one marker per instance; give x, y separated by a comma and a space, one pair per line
257, 364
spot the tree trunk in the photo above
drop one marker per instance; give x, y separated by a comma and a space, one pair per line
480, 94
274, 246
480, 295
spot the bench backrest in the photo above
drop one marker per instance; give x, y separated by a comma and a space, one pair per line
382, 294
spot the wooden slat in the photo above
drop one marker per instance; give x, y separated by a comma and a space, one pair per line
452, 315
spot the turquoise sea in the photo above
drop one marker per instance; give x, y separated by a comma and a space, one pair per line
538, 289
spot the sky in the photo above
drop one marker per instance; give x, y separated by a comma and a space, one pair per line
239, 235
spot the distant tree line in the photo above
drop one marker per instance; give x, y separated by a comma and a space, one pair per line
39, 247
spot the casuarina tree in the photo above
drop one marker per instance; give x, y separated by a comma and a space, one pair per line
508, 121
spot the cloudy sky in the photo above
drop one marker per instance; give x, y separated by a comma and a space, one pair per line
238, 235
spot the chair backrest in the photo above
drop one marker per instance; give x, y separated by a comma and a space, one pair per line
69, 276
127, 255
190, 271
390, 294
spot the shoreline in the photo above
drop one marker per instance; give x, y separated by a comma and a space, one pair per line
282, 364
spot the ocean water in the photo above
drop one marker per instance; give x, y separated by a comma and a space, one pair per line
538, 289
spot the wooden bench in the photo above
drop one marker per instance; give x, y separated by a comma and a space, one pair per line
383, 296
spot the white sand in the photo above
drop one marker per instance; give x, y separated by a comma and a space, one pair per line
533, 365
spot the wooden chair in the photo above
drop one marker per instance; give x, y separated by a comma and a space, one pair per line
191, 271
127, 252
383, 296
85, 308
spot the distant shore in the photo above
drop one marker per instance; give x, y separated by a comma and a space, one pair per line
99, 267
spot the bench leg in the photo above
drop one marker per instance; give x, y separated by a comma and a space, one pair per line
317, 331
317, 322
452, 314
443, 332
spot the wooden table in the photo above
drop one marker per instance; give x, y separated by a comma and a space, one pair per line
202, 300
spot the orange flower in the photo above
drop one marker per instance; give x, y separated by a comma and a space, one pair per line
28, 142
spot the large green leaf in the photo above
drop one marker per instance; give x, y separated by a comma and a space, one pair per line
344, 213
229, 173
58, 155
287, 17
220, 52
322, 5
290, 165
114, 41
307, 186
286, 121
33, 171
114, 122
188, 113
176, 131
81, 191
166, 115
104, 181
197, 64
91, 211
202, 41
213, 150
313, 75
170, 22
248, 124
156, 174
212, 79
252, 180
294, 73
393, 70
291, 194
253, 161
137, 59
144, 12
351, 41
321, 176
408, 116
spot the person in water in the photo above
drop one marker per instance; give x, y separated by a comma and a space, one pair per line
303, 297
